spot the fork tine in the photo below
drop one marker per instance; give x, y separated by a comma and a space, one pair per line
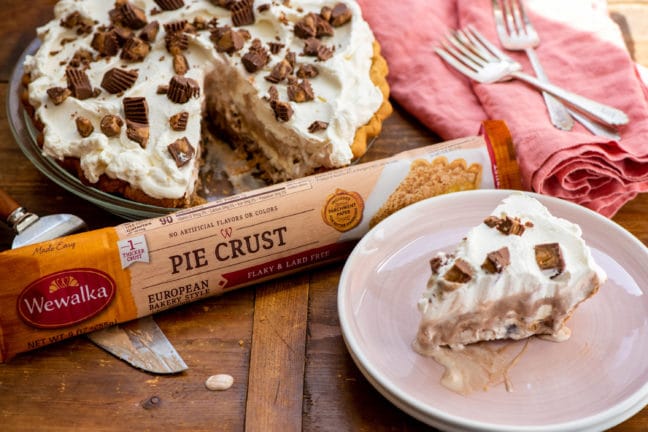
511, 23
524, 19
460, 54
470, 52
520, 24
485, 44
500, 25
452, 61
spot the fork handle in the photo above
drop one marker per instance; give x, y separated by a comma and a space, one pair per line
558, 113
603, 113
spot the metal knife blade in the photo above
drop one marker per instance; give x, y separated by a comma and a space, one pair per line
140, 343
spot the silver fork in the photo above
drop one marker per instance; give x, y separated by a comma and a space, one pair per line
474, 56
516, 33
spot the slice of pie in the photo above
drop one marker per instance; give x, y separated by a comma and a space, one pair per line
521, 272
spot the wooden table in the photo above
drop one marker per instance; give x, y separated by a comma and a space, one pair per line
280, 340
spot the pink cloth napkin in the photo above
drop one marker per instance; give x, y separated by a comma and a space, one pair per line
581, 49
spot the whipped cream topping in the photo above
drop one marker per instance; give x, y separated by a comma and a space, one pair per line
345, 97
520, 300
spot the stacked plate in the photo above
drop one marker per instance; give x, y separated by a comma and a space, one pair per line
596, 379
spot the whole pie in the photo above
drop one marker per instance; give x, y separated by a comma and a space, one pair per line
126, 93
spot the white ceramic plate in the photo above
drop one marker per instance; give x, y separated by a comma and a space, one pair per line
596, 379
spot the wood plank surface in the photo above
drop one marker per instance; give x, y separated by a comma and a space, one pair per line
280, 340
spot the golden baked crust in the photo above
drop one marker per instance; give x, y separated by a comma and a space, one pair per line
427, 179
364, 134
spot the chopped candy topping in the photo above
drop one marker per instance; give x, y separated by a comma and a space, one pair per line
256, 57
168, 5
182, 89
340, 15
181, 151
460, 272
135, 49
136, 109
111, 125
78, 83
58, 94
227, 40
242, 13
549, 256
178, 122
301, 92
150, 31
117, 80
132, 16
84, 126
497, 260
317, 125
279, 72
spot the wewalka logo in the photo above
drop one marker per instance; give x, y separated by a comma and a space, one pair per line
65, 298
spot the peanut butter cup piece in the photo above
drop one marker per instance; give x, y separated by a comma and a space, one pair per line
273, 94
506, 225
307, 71
497, 260
314, 48
178, 122
242, 13
282, 110
306, 27
324, 53
71, 20
78, 83
111, 125
176, 26
106, 43
81, 58
176, 40
325, 13
279, 72
311, 45
135, 49
301, 91
138, 132
136, 109
317, 125
181, 89
168, 5
132, 16
460, 272
340, 15
275, 47
117, 80
322, 27
180, 64
84, 126
181, 151
227, 40
256, 57
549, 256
58, 94
150, 31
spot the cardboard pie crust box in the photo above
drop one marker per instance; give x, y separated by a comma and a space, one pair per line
84, 282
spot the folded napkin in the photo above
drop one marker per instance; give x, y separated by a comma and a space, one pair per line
581, 49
